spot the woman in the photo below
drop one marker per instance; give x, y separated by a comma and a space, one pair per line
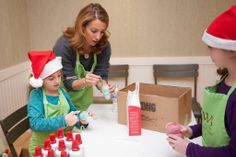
85, 53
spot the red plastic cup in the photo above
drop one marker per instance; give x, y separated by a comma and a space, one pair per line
78, 138
69, 136
75, 146
60, 133
61, 145
38, 152
50, 153
52, 138
64, 154
47, 144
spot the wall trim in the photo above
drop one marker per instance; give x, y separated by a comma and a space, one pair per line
134, 61
204, 60
14, 70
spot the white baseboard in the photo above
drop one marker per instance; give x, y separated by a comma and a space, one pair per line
161, 60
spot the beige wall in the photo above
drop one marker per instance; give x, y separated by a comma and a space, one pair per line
14, 31
139, 28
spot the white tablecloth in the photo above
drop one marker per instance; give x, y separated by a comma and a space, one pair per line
104, 137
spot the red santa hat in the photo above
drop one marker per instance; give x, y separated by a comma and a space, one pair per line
44, 64
222, 31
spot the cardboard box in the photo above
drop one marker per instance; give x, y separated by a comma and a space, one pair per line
160, 104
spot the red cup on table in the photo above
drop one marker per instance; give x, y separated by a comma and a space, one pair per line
174, 128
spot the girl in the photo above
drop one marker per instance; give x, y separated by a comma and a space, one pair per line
85, 53
218, 128
49, 106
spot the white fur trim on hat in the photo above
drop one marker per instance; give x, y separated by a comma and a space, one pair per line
51, 67
36, 83
216, 42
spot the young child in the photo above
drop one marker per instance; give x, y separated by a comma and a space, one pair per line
49, 106
218, 128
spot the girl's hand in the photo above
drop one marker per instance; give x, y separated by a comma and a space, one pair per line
90, 114
177, 143
174, 128
71, 118
89, 118
186, 131
178, 129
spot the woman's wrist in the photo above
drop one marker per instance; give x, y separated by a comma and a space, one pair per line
83, 83
79, 84
100, 84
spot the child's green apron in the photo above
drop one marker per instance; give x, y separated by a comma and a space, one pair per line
213, 114
50, 110
82, 98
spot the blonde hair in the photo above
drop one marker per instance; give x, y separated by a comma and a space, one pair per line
89, 13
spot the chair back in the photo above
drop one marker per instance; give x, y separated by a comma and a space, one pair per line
180, 71
114, 71
14, 126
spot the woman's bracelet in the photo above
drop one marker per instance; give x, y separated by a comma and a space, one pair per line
84, 84
85, 81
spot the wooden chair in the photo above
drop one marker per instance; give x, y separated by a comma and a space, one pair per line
114, 71
180, 71
14, 126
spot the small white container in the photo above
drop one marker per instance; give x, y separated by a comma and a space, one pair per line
80, 142
61, 147
69, 139
53, 141
75, 150
46, 147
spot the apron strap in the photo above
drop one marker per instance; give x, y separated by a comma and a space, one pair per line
231, 90
94, 61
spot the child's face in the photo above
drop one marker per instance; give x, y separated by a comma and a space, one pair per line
220, 57
52, 82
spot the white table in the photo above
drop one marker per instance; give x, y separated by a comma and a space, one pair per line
106, 138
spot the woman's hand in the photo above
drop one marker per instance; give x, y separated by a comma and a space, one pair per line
111, 88
177, 143
104, 83
71, 118
89, 80
92, 79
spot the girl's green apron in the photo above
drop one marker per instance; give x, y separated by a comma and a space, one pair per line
213, 114
50, 110
82, 98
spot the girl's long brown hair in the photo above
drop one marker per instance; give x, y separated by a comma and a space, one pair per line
222, 72
89, 13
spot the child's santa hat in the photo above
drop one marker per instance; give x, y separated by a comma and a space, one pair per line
222, 31
44, 64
